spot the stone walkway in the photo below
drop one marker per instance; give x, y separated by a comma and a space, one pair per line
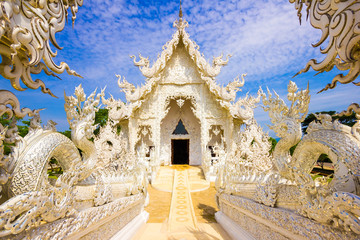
182, 206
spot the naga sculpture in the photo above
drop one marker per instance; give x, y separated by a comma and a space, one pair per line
27, 28
337, 202
229, 91
243, 107
33, 205
10, 109
286, 122
32, 199
133, 93
80, 113
118, 110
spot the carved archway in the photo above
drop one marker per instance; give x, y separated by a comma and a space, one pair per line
180, 108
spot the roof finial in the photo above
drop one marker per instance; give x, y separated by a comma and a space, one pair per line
180, 24
180, 12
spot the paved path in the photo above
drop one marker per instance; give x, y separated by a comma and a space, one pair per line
182, 216
179, 220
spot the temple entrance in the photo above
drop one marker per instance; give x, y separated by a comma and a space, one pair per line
180, 151
180, 123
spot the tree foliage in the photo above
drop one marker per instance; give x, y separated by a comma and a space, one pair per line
273, 144
67, 133
101, 117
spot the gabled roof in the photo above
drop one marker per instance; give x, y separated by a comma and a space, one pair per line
193, 49
207, 72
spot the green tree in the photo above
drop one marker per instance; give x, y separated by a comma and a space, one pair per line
101, 117
273, 144
292, 149
67, 133
23, 129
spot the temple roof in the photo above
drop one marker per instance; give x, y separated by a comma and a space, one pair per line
207, 71
192, 48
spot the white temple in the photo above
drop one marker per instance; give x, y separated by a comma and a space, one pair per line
179, 116
181, 112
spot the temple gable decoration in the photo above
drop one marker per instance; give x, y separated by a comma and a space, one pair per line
207, 71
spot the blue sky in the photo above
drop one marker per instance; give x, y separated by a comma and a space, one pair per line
265, 38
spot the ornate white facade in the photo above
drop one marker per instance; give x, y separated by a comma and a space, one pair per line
181, 86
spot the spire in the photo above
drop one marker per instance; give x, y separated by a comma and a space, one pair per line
180, 24
180, 12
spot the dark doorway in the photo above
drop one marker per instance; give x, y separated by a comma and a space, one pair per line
180, 151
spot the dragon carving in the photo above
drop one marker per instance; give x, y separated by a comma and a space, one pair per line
81, 118
243, 108
118, 110
31, 198
286, 122
335, 203
132, 93
227, 93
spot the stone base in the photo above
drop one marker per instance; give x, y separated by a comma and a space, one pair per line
232, 228
245, 216
101, 222
129, 231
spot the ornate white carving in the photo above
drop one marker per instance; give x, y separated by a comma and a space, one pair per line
265, 222
248, 162
80, 113
286, 123
111, 148
243, 108
339, 24
133, 93
100, 219
27, 28
336, 203
180, 102
355, 129
227, 93
34, 200
192, 48
32, 209
207, 72
10, 105
32, 156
